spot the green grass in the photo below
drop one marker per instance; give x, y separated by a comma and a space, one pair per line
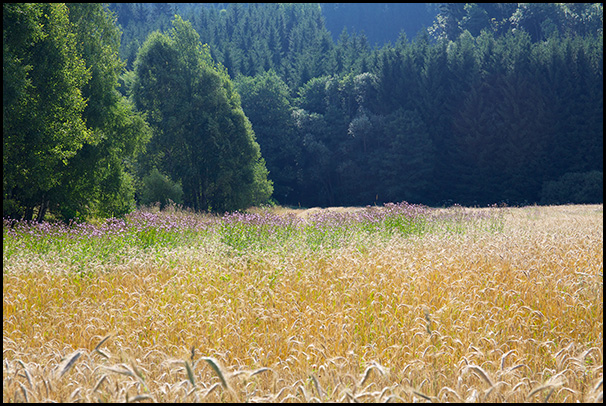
82, 246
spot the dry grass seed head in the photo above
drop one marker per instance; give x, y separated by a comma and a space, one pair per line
69, 361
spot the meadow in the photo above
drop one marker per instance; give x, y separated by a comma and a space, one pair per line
398, 303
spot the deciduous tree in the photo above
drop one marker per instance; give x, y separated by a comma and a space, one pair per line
201, 136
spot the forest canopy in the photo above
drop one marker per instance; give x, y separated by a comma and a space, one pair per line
221, 106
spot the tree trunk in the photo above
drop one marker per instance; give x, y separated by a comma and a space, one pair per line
42, 211
29, 213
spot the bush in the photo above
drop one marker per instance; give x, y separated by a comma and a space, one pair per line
574, 187
118, 198
158, 187
10, 208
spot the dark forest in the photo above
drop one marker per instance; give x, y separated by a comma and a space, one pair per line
221, 106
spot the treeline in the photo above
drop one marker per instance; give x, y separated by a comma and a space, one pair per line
494, 102
74, 146
248, 39
474, 121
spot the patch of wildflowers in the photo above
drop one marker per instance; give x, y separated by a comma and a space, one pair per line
239, 231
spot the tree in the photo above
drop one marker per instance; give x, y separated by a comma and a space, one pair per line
510, 95
448, 22
67, 131
315, 175
539, 20
503, 127
266, 102
580, 188
201, 136
43, 127
98, 173
158, 188
405, 159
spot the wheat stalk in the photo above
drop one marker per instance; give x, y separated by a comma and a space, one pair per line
190, 373
538, 389
319, 390
217, 368
481, 373
140, 398
211, 389
505, 356
68, 362
260, 371
424, 396
99, 382
102, 342
24, 391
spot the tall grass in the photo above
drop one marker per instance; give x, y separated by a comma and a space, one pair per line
392, 303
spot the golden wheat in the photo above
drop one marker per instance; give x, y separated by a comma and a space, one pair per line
511, 316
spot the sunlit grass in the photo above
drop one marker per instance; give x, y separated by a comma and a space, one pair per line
399, 303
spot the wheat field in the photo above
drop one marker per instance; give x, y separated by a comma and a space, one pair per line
498, 305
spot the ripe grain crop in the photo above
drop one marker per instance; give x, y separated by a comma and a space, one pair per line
397, 303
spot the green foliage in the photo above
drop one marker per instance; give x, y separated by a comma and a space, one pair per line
67, 131
202, 138
159, 188
586, 188
249, 39
494, 102
403, 134
43, 127
100, 183
539, 20
266, 101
